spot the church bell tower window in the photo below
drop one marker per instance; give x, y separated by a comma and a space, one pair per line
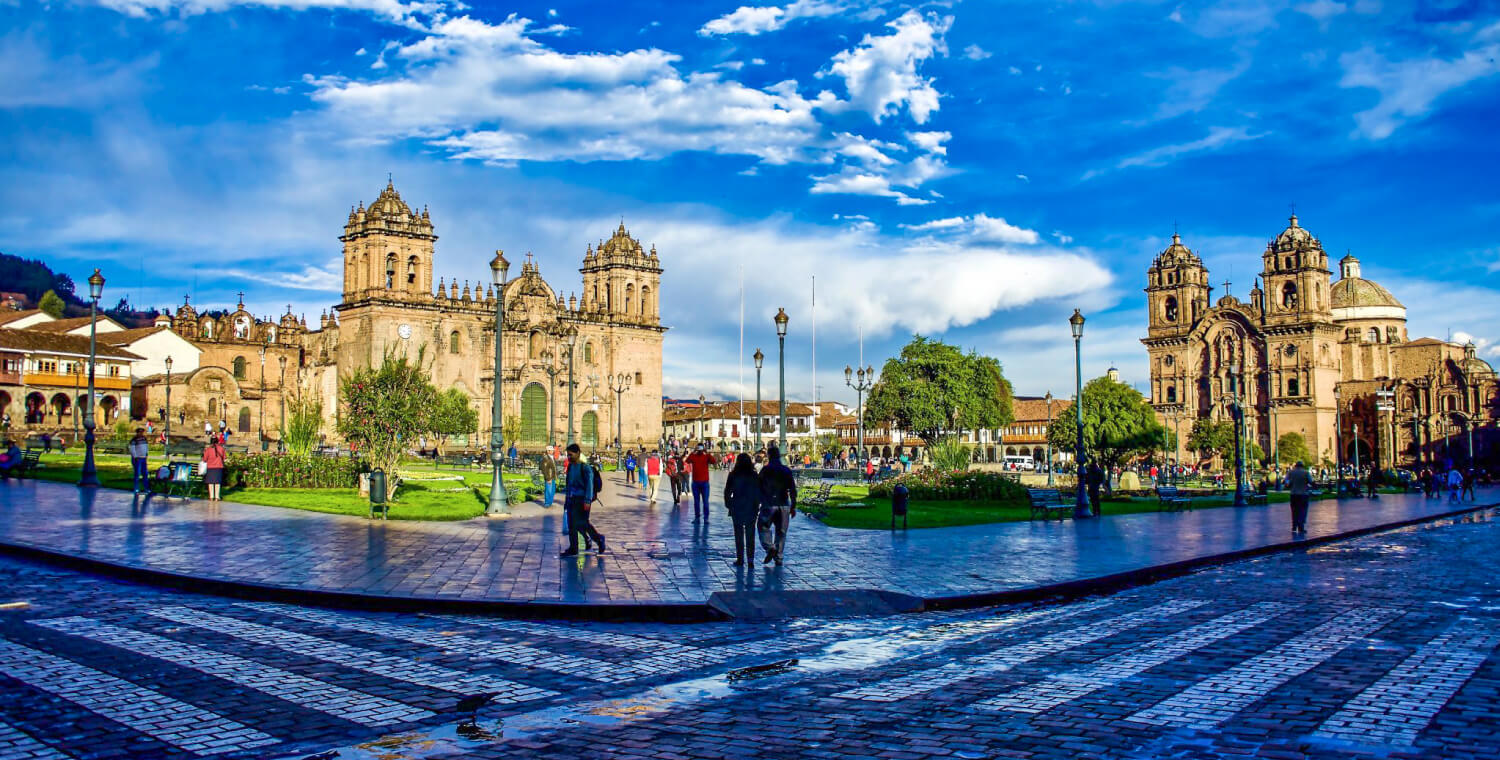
1289, 296
390, 271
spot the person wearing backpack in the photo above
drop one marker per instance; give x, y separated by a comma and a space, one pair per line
779, 488
579, 493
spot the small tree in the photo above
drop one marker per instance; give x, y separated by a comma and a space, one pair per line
454, 416
1117, 424
385, 409
950, 454
511, 430
1211, 438
304, 423
51, 304
1292, 448
829, 443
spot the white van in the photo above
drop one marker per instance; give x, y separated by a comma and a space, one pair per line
1019, 462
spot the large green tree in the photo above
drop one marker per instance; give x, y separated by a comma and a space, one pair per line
453, 415
1118, 424
935, 391
1211, 438
384, 409
1292, 448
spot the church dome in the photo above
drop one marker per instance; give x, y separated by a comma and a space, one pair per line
1354, 297
1176, 253
389, 203
1294, 236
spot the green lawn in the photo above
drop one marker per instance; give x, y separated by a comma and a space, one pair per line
416, 500
853, 507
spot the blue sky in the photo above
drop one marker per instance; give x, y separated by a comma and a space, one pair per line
971, 170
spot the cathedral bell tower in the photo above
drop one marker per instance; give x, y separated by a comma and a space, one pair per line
388, 251
621, 280
1176, 289
1296, 278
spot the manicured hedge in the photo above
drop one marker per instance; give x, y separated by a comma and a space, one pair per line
291, 471
932, 484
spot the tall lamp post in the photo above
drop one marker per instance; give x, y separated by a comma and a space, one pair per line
499, 502
166, 435
1237, 375
1049, 440
866, 381
781, 320
760, 360
1081, 504
1338, 440
549, 366
264, 442
618, 384
96, 289
281, 384
571, 338
77, 380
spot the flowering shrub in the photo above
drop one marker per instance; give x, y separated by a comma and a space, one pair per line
292, 471
933, 484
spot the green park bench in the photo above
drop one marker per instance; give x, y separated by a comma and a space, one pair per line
1173, 499
1048, 503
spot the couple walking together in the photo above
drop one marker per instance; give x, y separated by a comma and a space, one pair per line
763, 502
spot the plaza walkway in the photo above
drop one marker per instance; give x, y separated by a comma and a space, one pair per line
660, 562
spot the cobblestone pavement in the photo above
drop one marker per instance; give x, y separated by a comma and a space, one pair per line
658, 555
1384, 645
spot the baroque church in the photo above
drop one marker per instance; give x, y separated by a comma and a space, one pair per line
1330, 359
391, 305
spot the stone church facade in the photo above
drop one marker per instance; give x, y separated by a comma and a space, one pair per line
390, 305
1328, 359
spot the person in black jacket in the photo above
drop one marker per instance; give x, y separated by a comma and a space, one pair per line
779, 489
742, 496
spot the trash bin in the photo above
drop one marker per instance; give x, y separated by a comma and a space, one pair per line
377, 493
899, 500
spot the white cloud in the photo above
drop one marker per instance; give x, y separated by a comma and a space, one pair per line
730, 65
979, 228
1023, 178
1192, 89
33, 77
1408, 88
1062, 238
976, 53
325, 279
1015, 72
489, 92
1217, 137
855, 182
751, 20
880, 74
931, 142
1321, 10
404, 12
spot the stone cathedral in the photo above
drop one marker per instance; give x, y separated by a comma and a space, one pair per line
391, 305
1329, 359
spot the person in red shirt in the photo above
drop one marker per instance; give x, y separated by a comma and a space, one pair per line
700, 461
653, 475
670, 468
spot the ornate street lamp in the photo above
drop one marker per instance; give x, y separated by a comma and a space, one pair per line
865, 381
499, 503
571, 338
1237, 406
760, 359
618, 384
96, 289
281, 438
781, 320
548, 365
1081, 504
702, 413
166, 436
264, 442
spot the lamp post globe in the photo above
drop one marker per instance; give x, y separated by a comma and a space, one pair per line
760, 360
865, 381
90, 477
1081, 503
499, 501
781, 320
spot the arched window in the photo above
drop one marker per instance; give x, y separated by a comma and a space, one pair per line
1287, 263
213, 406
535, 345
239, 368
590, 430
390, 270
588, 353
1170, 311
1293, 387
411, 272
244, 426
453, 342
637, 378
534, 414
1171, 394
596, 295
645, 301
1289, 295
1373, 336
208, 329
629, 296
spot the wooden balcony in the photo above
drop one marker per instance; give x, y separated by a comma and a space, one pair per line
101, 382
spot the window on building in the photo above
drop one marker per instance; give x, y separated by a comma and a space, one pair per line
1171, 394
213, 406
453, 342
1293, 387
588, 353
534, 347
637, 378
645, 300
239, 367
629, 296
1289, 295
1170, 310
411, 271
1374, 335
390, 270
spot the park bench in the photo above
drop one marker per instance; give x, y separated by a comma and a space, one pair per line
1173, 499
1047, 503
1256, 499
819, 496
30, 459
183, 479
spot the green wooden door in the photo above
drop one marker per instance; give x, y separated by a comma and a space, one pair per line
590, 430
534, 415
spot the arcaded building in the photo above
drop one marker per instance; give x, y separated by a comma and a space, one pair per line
1330, 359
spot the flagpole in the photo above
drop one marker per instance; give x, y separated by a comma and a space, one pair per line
815, 354
741, 361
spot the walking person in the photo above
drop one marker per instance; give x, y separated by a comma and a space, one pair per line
743, 497
213, 466
641, 476
1094, 475
651, 474
578, 497
1299, 481
700, 462
1468, 493
629, 468
779, 489
139, 448
1455, 484
548, 469
669, 467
